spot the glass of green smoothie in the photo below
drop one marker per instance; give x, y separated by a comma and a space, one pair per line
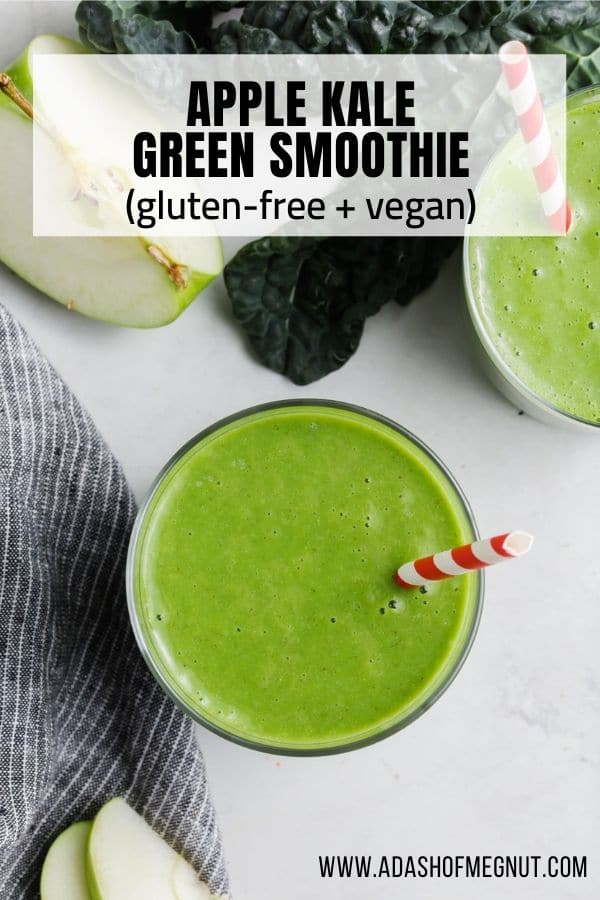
534, 302
260, 578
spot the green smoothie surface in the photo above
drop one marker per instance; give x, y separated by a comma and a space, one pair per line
538, 298
263, 578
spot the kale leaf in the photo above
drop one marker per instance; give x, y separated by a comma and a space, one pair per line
237, 37
339, 26
303, 301
474, 27
467, 26
582, 51
148, 26
319, 26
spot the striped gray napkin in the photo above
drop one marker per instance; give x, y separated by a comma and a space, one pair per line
81, 719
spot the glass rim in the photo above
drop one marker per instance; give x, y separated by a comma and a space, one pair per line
179, 699
476, 316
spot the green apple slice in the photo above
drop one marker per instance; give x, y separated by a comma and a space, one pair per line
124, 280
126, 859
63, 872
187, 884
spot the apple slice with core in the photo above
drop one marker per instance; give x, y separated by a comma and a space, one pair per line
187, 884
124, 280
63, 872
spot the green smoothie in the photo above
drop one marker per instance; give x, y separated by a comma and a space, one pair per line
261, 578
537, 300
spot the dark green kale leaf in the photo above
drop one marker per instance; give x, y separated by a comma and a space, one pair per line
236, 37
467, 26
303, 301
138, 34
149, 26
373, 26
322, 26
287, 18
582, 51
289, 22
480, 27
347, 26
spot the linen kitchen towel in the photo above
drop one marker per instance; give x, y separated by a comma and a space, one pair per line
81, 719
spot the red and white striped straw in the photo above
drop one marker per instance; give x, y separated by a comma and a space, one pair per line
461, 560
529, 110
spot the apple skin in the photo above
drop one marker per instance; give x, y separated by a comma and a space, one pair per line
20, 74
152, 283
93, 887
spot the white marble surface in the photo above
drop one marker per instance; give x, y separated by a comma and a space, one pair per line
509, 760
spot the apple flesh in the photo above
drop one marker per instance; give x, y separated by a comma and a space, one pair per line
124, 280
63, 872
127, 860
187, 885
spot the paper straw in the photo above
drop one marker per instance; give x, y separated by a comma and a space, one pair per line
529, 110
461, 560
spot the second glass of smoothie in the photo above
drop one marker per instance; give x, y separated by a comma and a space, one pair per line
534, 302
260, 579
